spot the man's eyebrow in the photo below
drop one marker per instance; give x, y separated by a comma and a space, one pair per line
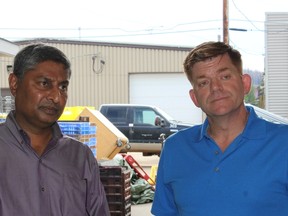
219, 71
65, 82
200, 77
222, 69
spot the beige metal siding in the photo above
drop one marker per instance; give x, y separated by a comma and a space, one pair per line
4, 61
276, 85
92, 88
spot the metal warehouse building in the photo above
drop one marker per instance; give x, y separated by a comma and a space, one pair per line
123, 73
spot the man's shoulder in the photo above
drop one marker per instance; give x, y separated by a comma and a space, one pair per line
72, 144
192, 134
196, 129
277, 127
70, 140
4, 130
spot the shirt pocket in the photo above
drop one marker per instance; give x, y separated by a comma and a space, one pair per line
74, 195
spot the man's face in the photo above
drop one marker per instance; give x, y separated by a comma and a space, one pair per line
40, 97
218, 87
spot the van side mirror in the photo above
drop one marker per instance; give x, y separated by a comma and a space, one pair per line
159, 121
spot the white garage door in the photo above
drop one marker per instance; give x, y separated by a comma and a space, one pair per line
170, 92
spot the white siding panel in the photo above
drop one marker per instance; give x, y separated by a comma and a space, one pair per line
4, 61
276, 39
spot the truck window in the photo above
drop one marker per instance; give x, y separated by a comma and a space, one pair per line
144, 116
117, 114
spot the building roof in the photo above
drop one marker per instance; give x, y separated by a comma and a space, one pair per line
110, 44
8, 48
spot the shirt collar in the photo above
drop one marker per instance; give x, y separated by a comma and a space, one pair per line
14, 126
249, 131
254, 121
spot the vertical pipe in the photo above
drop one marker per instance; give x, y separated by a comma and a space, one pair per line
225, 21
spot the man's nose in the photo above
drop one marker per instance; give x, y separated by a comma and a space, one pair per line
216, 85
54, 94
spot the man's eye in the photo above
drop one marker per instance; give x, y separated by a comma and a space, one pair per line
44, 83
202, 84
63, 87
226, 77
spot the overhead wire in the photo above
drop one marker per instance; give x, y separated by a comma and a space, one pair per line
252, 23
245, 16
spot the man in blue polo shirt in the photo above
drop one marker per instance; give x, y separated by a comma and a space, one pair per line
235, 163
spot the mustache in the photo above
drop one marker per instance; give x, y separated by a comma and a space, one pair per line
51, 106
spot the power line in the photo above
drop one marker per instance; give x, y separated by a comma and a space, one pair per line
122, 29
245, 16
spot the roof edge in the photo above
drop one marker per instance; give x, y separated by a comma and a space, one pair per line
111, 44
8, 48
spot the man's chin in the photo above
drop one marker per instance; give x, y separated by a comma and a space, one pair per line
221, 110
49, 119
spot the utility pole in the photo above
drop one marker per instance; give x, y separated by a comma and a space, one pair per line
225, 21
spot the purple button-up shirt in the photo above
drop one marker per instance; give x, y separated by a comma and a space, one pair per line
63, 181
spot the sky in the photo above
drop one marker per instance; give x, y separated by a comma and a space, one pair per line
184, 23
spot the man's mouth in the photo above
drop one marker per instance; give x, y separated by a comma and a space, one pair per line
218, 99
50, 110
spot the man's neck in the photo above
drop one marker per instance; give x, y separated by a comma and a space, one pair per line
225, 130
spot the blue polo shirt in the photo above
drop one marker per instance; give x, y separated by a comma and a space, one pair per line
250, 178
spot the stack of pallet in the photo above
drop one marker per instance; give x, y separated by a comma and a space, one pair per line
116, 182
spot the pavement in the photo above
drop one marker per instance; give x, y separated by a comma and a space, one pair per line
141, 209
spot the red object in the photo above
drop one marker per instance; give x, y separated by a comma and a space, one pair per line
138, 169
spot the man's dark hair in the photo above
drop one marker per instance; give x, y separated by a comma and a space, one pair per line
29, 57
209, 50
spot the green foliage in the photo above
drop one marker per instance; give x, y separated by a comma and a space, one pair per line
256, 95
250, 98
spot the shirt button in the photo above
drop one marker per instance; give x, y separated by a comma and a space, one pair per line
217, 169
216, 152
42, 189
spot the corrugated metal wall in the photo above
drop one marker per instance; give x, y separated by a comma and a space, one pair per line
94, 83
4, 62
276, 71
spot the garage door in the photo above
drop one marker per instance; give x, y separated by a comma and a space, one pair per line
170, 92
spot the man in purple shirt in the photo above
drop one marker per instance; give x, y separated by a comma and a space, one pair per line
43, 172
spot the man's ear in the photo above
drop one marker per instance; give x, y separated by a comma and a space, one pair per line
193, 97
246, 79
13, 83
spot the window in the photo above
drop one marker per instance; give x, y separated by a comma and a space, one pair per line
144, 116
117, 114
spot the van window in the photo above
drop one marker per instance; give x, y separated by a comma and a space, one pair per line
144, 116
117, 114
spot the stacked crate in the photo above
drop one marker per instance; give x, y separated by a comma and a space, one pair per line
7, 104
84, 131
116, 182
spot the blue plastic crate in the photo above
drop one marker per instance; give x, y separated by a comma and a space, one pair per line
94, 151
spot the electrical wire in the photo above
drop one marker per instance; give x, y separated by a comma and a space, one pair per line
245, 16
